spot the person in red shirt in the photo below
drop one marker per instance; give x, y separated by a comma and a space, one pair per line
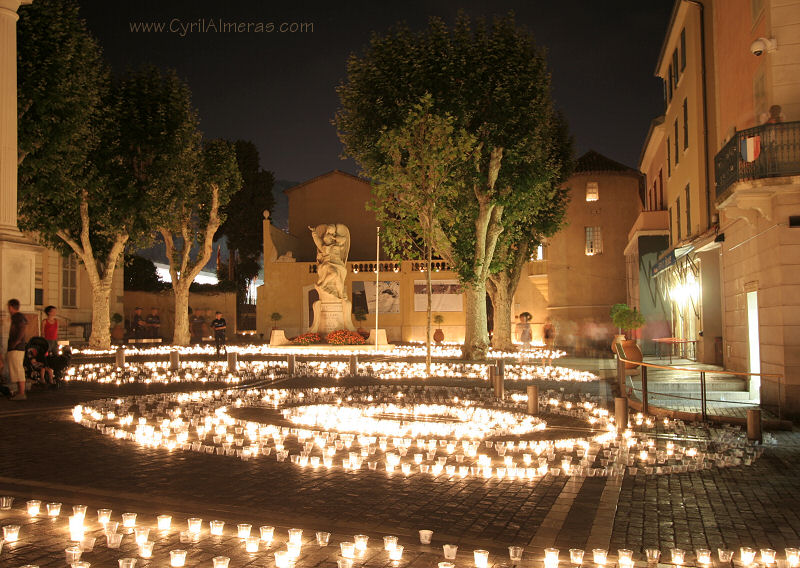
50, 329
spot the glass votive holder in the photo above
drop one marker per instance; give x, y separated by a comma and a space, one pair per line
216, 527
793, 557
768, 556
127, 562
128, 520
450, 551
576, 556
103, 516
703, 556
79, 511
80, 564
296, 536
396, 554
73, 553
11, 533
282, 559
146, 548
110, 527
344, 563
747, 555
551, 555
141, 534
361, 542
323, 538
599, 556
515, 553
76, 528
348, 549
267, 533
177, 557
5, 502
653, 555
195, 525
251, 543
446, 565
114, 540
53, 509
221, 561
678, 556
725, 555
389, 542
243, 530
293, 549
87, 544
481, 558
425, 536
164, 522
33, 507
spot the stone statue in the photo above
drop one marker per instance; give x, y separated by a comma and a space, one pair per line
333, 246
334, 309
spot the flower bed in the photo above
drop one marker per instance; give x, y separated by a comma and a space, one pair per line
344, 337
307, 339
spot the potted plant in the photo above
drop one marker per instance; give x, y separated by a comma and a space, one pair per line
117, 331
628, 319
438, 335
360, 316
275, 317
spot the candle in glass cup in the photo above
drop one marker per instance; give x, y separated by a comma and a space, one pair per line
128, 520
725, 555
576, 556
515, 554
195, 525
348, 549
79, 511
103, 516
243, 530
127, 562
141, 534
361, 543
323, 538
450, 551
33, 507
5, 502
164, 522
53, 509
396, 554
114, 540
73, 554
446, 565
251, 543
653, 554
678, 555
425, 536
747, 555
625, 558
296, 536
267, 533
282, 559
481, 558
793, 557
76, 528
703, 556
221, 561
177, 558
146, 549
768, 556
80, 564
216, 527
599, 556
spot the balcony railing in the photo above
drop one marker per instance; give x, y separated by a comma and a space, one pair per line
769, 150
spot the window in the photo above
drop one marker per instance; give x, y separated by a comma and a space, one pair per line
685, 124
660, 199
669, 79
69, 282
592, 191
688, 211
677, 156
594, 241
678, 217
683, 49
669, 158
675, 65
671, 230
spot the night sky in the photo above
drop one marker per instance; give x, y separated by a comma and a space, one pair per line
277, 89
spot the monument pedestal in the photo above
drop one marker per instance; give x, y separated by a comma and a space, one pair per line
17, 280
330, 316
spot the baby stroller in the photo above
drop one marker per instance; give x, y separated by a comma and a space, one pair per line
36, 359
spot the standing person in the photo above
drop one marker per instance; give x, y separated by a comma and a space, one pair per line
524, 334
16, 348
137, 324
549, 333
50, 329
153, 323
219, 325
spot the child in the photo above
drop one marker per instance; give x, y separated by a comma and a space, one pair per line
50, 329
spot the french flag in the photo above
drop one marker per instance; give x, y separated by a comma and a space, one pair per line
750, 148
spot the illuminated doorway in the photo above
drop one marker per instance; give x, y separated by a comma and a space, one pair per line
753, 351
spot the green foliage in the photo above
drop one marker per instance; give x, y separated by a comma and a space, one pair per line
141, 274
276, 317
438, 319
360, 315
116, 318
626, 318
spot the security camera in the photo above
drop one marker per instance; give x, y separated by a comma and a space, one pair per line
763, 44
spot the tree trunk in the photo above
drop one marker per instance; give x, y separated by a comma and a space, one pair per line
181, 335
101, 322
476, 338
430, 305
502, 298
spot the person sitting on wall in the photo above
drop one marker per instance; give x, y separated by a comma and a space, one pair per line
154, 323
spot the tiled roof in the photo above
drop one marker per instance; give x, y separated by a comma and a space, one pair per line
593, 161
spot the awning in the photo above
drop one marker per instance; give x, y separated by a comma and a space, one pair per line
670, 258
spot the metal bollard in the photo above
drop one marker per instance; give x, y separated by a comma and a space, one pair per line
353, 366
754, 425
174, 360
233, 362
499, 385
291, 361
533, 400
621, 414
120, 357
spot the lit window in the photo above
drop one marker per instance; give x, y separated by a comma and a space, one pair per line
537, 254
69, 282
592, 191
594, 241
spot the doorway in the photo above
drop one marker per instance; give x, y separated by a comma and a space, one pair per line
753, 350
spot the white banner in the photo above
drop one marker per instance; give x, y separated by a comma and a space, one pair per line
446, 296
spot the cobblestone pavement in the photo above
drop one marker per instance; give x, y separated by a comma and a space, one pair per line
47, 456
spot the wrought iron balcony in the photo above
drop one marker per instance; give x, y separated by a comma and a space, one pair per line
766, 151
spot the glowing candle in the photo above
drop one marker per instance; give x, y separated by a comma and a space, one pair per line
177, 558
267, 533
576, 556
164, 522
11, 533
128, 520
481, 558
396, 554
103, 516
243, 530
251, 543
34, 507
216, 527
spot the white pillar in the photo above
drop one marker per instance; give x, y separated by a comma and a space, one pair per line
8, 116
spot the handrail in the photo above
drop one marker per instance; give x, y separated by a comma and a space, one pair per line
722, 372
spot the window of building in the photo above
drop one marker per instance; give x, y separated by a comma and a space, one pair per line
678, 218
594, 241
69, 282
592, 191
669, 158
660, 199
685, 124
675, 65
683, 49
671, 228
675, 141
688, 211
670, 85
